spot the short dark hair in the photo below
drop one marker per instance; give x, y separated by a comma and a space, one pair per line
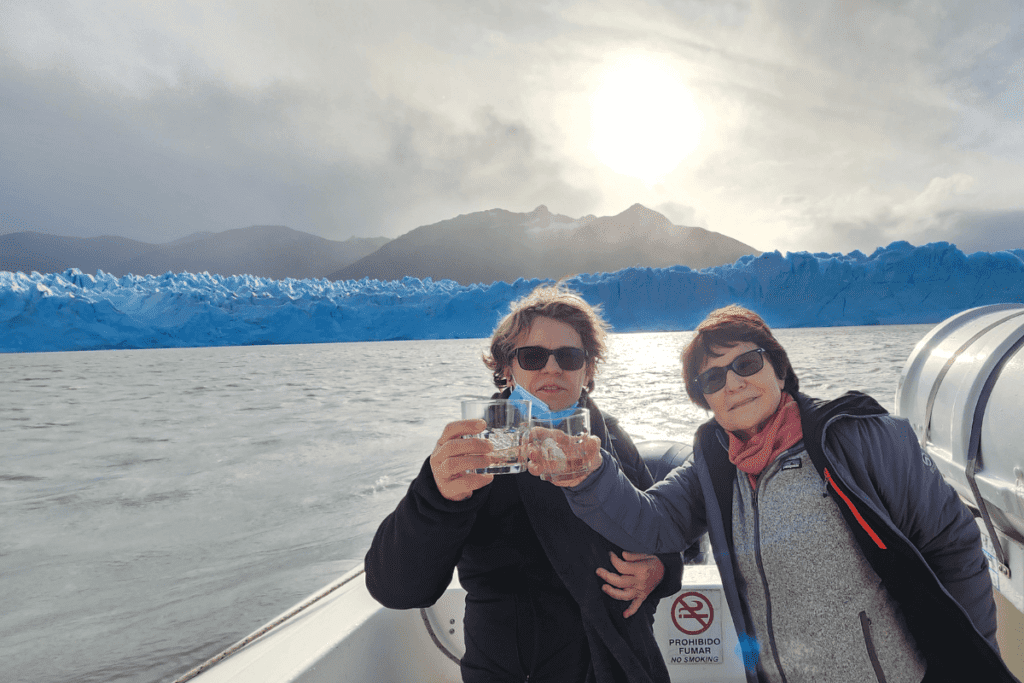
557, 302
727, 327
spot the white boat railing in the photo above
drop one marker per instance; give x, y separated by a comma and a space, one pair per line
324, 592
342, 633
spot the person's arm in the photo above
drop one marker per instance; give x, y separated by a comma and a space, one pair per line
666, 518
633, 466
656, 576
414, 552
931, 515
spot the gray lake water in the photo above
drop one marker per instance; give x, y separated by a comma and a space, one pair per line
159, 505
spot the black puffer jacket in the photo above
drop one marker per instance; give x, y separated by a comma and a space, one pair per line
534, 606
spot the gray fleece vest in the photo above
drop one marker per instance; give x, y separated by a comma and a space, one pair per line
818, 608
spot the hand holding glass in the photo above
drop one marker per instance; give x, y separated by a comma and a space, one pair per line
507, 422
558, 447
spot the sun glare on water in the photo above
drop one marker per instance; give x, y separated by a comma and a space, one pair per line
644, 120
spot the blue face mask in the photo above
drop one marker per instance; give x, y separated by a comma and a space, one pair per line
538, 408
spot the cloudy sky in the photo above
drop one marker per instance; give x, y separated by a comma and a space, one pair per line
820, 126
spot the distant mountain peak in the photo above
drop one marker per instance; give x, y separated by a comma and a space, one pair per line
641, 214
541, 220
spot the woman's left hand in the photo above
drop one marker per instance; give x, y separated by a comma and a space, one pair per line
638, 575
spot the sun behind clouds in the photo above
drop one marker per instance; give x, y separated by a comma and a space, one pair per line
644, 120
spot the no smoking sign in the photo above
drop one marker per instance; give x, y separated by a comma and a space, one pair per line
697, 638
693, 613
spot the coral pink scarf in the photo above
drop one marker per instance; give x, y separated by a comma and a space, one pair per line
782, 431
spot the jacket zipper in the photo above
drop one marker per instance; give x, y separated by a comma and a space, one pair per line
856, 513
764, 584
869, 643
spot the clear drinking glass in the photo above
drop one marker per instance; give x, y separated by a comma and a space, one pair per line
563, 458
507, 422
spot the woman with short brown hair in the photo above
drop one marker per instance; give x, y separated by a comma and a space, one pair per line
548, 599
720, 329
844, 555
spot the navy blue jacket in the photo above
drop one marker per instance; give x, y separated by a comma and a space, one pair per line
913, 529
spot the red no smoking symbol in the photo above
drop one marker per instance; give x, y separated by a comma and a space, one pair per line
692, 613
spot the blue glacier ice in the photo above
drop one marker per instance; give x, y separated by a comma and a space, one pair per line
900, 283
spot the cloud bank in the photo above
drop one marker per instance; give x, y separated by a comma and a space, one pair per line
846, 126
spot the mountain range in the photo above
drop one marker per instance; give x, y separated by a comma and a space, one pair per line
499, 245
484, 246
271, 251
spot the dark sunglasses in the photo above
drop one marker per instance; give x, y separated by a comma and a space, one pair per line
744, 365
536, 357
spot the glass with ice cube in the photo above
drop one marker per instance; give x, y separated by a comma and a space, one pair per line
562, 457
507, 422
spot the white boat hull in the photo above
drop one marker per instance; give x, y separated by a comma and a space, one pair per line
348, 636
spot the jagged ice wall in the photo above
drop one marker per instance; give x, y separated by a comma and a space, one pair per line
896, 284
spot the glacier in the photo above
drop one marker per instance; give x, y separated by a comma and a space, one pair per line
901, 283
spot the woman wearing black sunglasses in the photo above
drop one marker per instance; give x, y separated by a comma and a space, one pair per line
844, 555
531, 569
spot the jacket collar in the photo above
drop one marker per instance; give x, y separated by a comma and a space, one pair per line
816, 415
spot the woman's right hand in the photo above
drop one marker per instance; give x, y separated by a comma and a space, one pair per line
453, 455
